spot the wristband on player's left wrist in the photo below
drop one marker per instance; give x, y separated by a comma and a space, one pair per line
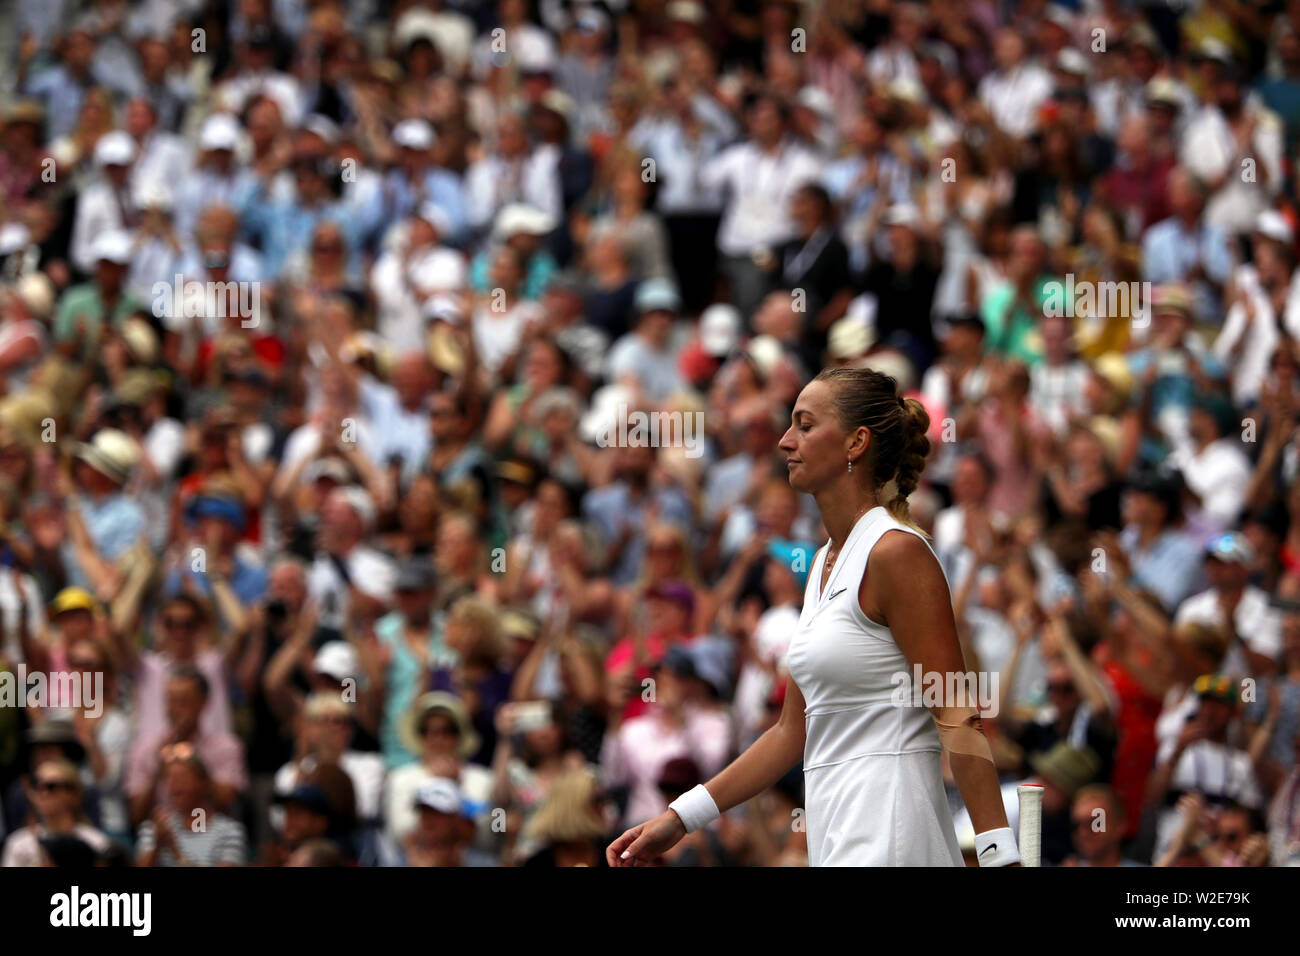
996, 847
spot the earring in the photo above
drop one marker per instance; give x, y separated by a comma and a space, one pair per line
850, 466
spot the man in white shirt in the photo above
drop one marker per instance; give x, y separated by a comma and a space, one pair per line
1013, 92
163, 158
107, 204
1200, 760
343, 562
514, 172
645, 358
760, 176
1255, 325
1236, 147
1216, 470
1232, 602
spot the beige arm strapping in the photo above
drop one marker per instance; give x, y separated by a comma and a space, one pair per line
964, 735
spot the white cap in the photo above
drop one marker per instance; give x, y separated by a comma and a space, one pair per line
558, 102
322, 126
1273, 225
521, 218
907, 90
901, 214
720, 329
220, 131
591, 19
849, 338
115, 149
114, 245
766, 353
439, 270
817, 100
444, 307
414, 134
13, 236
607, 403
337, 659
536, 58
434, 215
1212, 48
1070, 60
441, 794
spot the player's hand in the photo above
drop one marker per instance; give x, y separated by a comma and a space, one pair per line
645, 841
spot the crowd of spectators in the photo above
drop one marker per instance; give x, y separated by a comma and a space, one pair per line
317, 318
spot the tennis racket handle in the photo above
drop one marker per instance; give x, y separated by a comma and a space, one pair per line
1031, 824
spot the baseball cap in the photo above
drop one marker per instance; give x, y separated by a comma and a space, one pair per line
113, 246
901, 214
521, 218
13, 236
443, 795
1271, 224
222, 507
115, 148
788, 553
1070, 60
72, 599
714, 660
1219, 408
1162, 91
720, 329
1232, 547
1216, 686
591, 20
308, 795
655, 295
849, 338
220, 131
322, 126
414, 134
337, 659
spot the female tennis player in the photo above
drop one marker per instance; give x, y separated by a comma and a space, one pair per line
877, 603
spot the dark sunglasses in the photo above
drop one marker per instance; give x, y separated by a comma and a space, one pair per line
53, 786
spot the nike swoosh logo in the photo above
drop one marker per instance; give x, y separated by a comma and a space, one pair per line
991, 846
837, 594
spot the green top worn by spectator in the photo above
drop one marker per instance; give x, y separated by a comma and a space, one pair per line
85, 304
1012, 329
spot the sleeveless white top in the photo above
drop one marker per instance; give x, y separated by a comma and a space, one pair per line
873, 787
845, 664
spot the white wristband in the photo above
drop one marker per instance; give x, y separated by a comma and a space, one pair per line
696, 808
996, 847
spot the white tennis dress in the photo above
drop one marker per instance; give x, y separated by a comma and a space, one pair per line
874, 792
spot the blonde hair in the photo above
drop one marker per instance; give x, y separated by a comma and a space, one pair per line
866, 398
325, 705
567, 815
483, 621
